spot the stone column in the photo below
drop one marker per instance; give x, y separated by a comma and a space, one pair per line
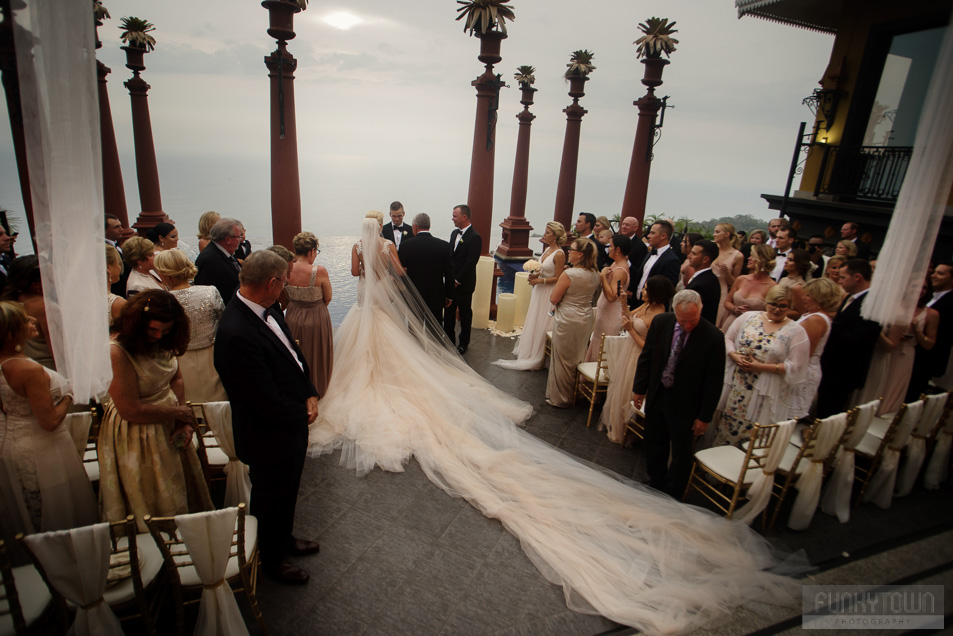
480, 193
285, 185
637, 184
516, 228
566, 186
147, 171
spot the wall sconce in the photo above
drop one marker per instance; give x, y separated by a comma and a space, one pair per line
823, 105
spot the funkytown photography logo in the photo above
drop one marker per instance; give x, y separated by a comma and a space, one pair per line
869, 607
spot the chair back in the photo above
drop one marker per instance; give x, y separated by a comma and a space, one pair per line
79, 426
9, 598
858, 425
933, 409
612, 346
205, 440
763, 437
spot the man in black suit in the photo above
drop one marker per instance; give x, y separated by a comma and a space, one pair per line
850, 231
396, 230
850, 346
217, 264
113, 234
584, 224
932, 363
273, 402
661, 261
429, 266
681, 370
628, 227
704, 281
466, 246
784, 243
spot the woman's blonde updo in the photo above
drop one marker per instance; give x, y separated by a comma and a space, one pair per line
137, 249
376, 214
13, 320
733, 239
825, 292
113, 257
558, 231
174, 264
764, 258
304, 242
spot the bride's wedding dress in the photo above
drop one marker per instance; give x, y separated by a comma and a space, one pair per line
618, 548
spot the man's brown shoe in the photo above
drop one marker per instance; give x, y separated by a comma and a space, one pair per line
303, 547
287, 572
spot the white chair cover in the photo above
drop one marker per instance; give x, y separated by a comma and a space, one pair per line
917, 446
808, 485
78, 425
614, 362
759, 494
237, 481
77, 563
837, 497
208, 538
881, 486
935, 472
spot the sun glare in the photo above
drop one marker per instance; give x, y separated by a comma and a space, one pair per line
342, 20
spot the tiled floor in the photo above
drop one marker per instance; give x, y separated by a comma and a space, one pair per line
399, 556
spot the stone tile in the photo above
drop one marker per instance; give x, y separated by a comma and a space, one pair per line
386, 501
444, 572
326, 567
567, 622
549, 438
471, 534
400, 547
413, 610
582, 450
354, 530
367, 586
507, 559
504, 592
544, 600
344, 484
622, 461
431, 512
316, 512
328, 618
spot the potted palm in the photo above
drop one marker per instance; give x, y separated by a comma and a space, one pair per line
486, 19
525, 77
656, 39
577, 71
135, 34
281, 17
99, 14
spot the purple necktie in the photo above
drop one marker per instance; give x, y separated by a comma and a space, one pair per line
668, 375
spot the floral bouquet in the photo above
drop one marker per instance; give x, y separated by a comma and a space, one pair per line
532, 266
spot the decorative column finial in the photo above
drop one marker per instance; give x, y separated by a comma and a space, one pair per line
577, 73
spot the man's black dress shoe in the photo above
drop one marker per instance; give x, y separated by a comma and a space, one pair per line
286, 572
303, 547
461, 350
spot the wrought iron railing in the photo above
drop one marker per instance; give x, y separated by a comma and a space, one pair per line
863, 172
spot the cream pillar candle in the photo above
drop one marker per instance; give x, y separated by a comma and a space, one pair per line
505, 312
481, 295
523, 292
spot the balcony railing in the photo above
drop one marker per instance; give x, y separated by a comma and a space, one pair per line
873, 173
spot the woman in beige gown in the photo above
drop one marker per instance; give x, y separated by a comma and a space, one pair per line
572, 324
727, 267
612, 279
309, 292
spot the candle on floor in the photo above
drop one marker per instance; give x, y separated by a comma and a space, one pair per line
505, 312
481, 295
523, 292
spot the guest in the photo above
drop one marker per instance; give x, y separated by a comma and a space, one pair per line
530, 349
661, 260
768, 355
114, 303
851, 232
24, 285
206, 222
397, 231
42, 474
783, 243
832, 271
758, 237
601, 225
604, 236
164, 236
147, 463
704, 281
289, 258
727, 267
821, 299
309, 293
749, 290
847, 249
466, 246
6, 255
612, 279
585, 228
428, 266
656, 295
113, 235
686, 272
203, 306
572, 323
774, 226
815, 248
680, 372
628, 228
217, 264
139, 254
797, 268
931, 361
243, 249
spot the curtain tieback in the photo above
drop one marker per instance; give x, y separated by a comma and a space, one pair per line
212, 586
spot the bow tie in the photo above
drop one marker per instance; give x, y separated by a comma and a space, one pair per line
653, 252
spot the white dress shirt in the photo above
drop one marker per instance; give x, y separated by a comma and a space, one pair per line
460, 236
262, 312
647, 268
780, 260
937, 296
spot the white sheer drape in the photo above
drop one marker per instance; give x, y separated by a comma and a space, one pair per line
759, 494
56, 62
77, 564
808, 485
237, 481
940, 458
917, 446
837, 496
881, 486
208, 538
903, 261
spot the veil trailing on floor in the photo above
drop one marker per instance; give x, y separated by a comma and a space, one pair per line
618, 549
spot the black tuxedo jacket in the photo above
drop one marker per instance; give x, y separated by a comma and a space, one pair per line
699, 372
465, 258
850, 346
863, 249
267, 389
215, 269
430, 269
708, 287
406, 230
938, 357
667, 265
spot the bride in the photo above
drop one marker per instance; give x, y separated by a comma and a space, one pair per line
618, 548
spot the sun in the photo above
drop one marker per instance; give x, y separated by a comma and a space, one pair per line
342, 20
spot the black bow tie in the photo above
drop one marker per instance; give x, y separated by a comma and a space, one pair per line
654, 252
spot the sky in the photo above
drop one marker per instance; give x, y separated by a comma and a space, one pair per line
385, 109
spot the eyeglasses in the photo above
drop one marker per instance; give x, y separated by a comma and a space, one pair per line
778, 306
238, 236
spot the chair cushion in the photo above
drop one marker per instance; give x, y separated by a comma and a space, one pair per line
92, 470
588, 371
216, 457
190, 578
34, 598
869, 445
150, 564
726, 462
879, 425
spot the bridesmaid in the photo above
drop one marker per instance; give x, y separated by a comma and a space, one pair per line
309, 292
530, 349
165, 236
749, 290
656, 296
727, 267
612, 279
572, 323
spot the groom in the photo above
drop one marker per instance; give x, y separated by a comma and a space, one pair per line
273, 402
465, 249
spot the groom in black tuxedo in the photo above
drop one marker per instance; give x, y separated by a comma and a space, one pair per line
465, 249
428, 264
273, 402
397, 231
681, 370
661, 261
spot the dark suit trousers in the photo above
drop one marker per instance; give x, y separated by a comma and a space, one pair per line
831, 400
462, 301
663, 433
274, 494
